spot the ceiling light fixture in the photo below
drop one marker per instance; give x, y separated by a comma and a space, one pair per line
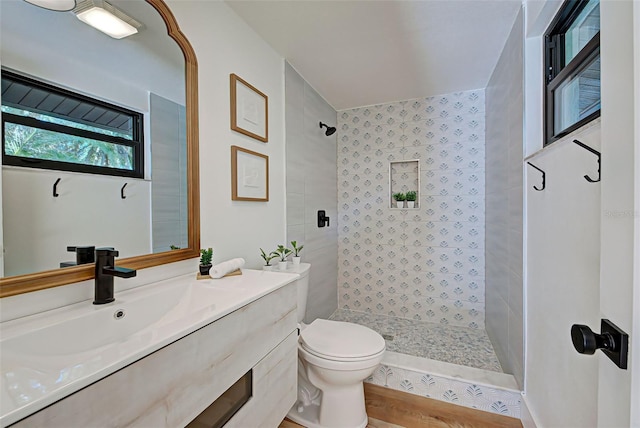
107, 18
55, 5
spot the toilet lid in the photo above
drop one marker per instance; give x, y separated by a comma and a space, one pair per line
341, 339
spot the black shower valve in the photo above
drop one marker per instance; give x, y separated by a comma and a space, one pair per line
323, 220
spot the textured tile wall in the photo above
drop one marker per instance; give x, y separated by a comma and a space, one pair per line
311, 186
425, 263
504, 213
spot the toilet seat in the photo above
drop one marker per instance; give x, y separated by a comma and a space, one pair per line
341, 341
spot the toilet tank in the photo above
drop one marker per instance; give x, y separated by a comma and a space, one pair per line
302, 283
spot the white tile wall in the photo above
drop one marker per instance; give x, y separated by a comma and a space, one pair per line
504, 213
311, 186
168, 173
426, 263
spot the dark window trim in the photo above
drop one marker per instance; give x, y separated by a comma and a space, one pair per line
137, 143
556, 72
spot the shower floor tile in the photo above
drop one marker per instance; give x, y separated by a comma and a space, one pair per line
457, 345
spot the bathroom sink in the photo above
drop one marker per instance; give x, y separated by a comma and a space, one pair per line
47, 356
100, 326
92, 328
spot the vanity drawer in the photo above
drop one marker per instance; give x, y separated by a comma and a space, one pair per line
170, 387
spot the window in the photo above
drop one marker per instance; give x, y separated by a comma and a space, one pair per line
44, 126
572, 68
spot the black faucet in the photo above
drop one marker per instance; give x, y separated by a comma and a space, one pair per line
105, 271
84, 255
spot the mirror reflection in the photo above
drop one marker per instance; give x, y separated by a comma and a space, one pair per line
77, 102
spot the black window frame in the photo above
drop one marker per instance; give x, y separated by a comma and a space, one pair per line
137, 141
557, 72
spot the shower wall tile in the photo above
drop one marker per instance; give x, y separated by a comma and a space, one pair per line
504, 193
295, 208
425, 263
311, 186
321, 302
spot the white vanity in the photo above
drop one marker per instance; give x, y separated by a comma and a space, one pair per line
157, 357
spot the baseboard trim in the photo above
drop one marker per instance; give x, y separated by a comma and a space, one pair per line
527, 418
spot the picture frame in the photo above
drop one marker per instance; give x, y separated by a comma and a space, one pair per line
249, 175
249, 109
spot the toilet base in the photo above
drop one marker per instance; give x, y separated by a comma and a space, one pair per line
308, 416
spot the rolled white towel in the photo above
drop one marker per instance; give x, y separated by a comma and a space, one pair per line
221, 269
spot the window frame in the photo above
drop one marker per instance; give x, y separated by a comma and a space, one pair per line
556, 72
137, 141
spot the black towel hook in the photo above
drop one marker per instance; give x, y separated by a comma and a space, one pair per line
595, 152
122, 191
55, 188
544, 175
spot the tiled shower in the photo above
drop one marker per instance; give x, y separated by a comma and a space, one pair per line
442, 281
425, 263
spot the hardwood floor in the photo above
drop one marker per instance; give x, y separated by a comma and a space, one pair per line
373, 423
388, 408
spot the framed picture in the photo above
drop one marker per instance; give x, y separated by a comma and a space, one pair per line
249, 110
249, 175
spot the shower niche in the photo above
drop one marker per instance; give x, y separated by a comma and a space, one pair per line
404, 183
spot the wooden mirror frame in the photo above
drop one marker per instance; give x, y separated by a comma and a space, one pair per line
53, 278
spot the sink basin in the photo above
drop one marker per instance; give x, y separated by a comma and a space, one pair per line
48, 356
99, 327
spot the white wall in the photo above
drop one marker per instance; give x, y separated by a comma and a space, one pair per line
312, 186
618, 202
504, 207
563, 269
224, 44
580, 246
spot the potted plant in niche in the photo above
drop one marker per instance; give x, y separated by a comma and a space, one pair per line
282, 252
267, 259
399, 198
205, 260
411, 198
296, 252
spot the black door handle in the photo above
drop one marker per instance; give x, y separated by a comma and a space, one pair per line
613, 341
586, 341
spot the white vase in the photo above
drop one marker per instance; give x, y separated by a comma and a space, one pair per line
410, 204
282, 265
267, 268
296, 260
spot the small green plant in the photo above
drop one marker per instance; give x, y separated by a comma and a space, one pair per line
296, 249
411, 195
174, 247
206, 256
399, 197
268, 257
282, 252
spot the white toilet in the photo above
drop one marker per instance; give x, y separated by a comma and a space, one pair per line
334, 358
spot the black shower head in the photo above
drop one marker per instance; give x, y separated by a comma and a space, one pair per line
330, 129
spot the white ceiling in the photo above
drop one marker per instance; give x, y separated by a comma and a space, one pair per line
357, 53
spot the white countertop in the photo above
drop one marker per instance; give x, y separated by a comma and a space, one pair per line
48, 356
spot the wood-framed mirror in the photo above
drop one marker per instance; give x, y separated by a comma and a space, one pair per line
18, 284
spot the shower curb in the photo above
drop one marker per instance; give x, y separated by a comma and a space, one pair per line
494, 399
